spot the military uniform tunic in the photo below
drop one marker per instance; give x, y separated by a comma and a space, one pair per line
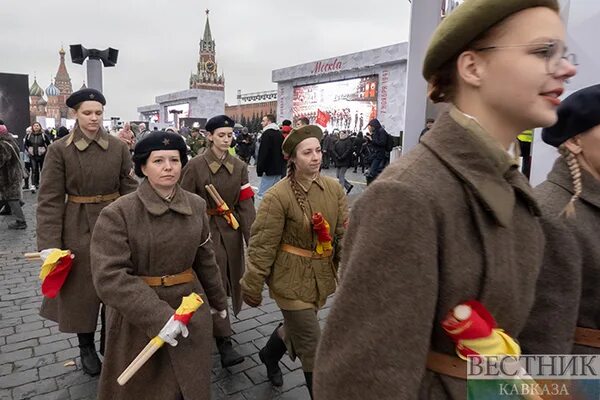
141, 234
453, 220
228, 176
76, 165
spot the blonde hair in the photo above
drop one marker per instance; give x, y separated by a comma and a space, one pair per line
298, 192
575, 170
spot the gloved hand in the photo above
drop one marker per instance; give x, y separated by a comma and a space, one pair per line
171, 330
250, 300
45, 253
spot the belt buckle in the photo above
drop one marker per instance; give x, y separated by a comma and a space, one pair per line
98, 198
163, 280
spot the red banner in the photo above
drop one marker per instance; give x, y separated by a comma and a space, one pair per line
322, 118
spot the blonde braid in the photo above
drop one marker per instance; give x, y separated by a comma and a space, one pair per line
574, 168
298, 193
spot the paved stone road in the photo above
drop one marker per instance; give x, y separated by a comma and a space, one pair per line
38, 362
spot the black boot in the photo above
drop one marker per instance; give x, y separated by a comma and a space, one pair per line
229, 357
270, 356
18, 224
89, 358
308, 377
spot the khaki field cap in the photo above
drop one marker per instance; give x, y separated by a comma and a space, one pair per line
466, 23
298, 135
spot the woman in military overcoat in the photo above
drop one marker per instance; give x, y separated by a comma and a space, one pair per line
454, 220
149, 250
229, 176
83, 173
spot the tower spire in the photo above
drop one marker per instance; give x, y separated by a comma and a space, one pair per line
62, 79
207, 34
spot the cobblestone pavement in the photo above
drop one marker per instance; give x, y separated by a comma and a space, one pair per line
38, 362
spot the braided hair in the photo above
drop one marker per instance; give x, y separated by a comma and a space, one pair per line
575, 170
298, 192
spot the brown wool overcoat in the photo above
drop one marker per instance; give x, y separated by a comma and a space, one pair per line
140, 234
228, 176
573, 257
443, 225
66, 225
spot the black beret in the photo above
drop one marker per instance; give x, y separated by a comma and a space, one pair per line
158, 140
297, 135
220, 121
463, 25
577, 113
85, 95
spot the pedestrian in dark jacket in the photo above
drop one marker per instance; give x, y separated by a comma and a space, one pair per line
62, 132
244, 146
358, 159
379, 140
36, 146
342, 153
326, 148
270, 165
10, 178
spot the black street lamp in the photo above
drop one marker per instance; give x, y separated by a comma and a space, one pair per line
95, 59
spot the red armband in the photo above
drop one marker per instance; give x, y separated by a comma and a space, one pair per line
246, 192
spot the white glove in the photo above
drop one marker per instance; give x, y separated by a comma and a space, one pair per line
171, 330
222, 313
45, 253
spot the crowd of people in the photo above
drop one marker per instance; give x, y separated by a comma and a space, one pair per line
451, 235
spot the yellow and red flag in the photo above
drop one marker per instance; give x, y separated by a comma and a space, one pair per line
321, 228
187, 308
474, 331
55, 270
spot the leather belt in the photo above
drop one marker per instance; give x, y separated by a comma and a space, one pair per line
170, 280
216, 211
447, 365
305, 253
587, 337
99, 198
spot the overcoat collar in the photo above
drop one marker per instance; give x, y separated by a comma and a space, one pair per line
561, 176
157, 206
491, 176
306, 184
214, 163
82, 142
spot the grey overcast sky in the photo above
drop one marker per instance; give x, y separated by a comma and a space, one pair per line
158, 40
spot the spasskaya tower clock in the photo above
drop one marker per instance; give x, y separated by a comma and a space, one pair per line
207, 76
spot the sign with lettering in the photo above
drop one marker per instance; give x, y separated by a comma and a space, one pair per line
323, 67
